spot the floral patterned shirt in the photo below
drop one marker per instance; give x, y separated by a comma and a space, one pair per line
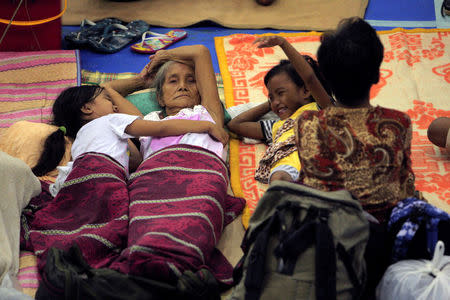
363, 150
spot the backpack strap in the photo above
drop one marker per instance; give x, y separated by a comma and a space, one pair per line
314, 228
325, 259
347, 260
296, 242
247, 241
257, 259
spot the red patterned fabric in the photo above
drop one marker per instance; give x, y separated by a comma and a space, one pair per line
168, 217
179, 207
365, 150
91, 210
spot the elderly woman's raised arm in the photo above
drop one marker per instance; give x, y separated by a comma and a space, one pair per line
207, 84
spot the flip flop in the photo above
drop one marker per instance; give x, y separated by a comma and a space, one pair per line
151, 44
88, 28
116, 36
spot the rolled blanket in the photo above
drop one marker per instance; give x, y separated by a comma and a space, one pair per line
179, 207
91, 210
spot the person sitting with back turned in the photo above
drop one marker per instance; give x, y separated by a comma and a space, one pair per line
356, 146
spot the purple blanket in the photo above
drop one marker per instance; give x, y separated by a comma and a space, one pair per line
166, 219
91, 210
178, 209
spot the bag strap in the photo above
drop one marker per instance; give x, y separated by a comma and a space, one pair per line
296, 242
247, 241
347, 260
325, 259
257, 260
35, 22
314, 228
326, 262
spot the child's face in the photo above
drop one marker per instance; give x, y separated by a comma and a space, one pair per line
285, 96
102, 105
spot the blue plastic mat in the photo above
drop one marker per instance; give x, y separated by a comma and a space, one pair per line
382, 14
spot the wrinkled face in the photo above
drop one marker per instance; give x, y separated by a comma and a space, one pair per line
179, 89
285, 96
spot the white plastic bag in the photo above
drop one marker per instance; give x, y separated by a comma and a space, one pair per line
417, 279
8, 289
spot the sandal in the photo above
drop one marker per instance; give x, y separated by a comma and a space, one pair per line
116, 36
151, 44
88, 28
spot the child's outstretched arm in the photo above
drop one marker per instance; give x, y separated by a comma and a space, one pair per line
302, 67
246, 124
176, 127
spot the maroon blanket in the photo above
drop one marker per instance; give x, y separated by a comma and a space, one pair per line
178, 209
167, 218
91, 210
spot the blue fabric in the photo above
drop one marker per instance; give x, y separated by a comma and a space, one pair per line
413, 212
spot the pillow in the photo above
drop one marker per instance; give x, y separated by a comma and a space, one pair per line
25, 140
145, 101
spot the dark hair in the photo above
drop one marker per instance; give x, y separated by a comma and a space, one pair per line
350, 59
66, 112
285, 66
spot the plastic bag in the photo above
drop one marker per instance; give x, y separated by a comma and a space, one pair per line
8, 289
417, 279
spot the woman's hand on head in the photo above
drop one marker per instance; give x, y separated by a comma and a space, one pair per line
218, 133
161, 56
146, 74
269, 41
156, 60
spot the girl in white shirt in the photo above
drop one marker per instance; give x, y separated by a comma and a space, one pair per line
101, 120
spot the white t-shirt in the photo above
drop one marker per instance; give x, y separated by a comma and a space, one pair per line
204, 140
103, 135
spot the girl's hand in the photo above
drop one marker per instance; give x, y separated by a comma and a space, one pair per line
218, 133
269, 41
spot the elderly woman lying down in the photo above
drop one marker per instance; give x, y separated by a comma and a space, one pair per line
168, 216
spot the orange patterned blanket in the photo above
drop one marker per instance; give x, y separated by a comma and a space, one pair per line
415, 78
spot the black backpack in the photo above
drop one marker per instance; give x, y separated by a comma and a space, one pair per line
67, 276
